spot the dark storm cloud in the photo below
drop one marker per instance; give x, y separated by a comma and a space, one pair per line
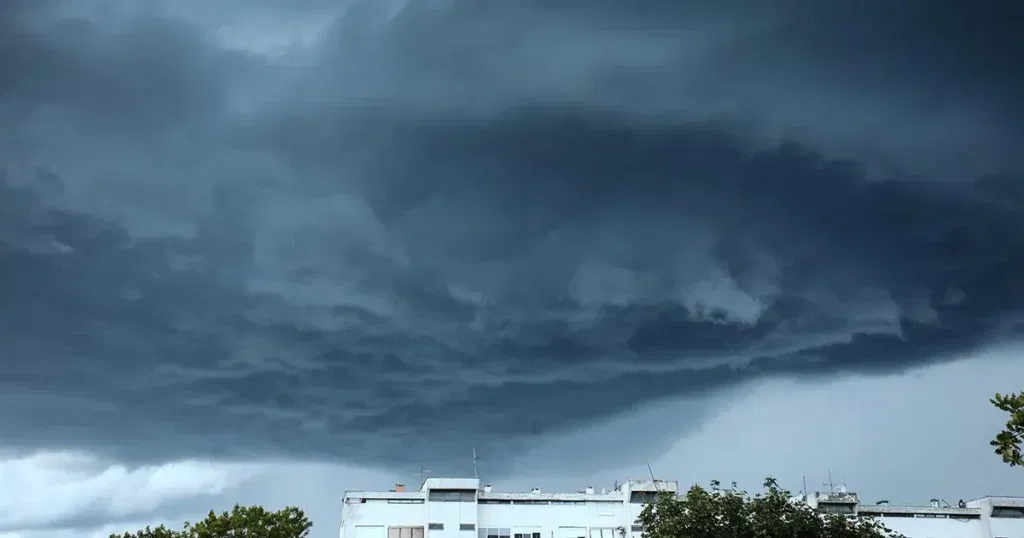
487, 222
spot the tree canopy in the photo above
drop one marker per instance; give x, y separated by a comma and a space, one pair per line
1007, 443
240, 522
731, 513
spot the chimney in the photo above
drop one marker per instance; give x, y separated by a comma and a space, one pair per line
488, 488
399, 487
535, 490
589, 490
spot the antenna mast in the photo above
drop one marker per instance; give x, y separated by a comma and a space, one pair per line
657, 486
423, 474
474, 464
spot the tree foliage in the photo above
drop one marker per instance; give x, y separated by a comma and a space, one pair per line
240, 522
1007, 443
158, 532
732, 513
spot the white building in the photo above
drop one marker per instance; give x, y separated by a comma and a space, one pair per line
461, 508
987, 517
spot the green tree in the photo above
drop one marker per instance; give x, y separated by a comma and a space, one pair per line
731, 513
1007, 443
158, 532
240, 522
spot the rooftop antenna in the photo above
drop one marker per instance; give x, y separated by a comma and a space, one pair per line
423, 474
831, 486
805, 485
474, 464
657, 486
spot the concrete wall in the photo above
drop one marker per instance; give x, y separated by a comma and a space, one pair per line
917, 527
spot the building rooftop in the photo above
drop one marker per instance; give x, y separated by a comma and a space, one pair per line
484, 493
884, 509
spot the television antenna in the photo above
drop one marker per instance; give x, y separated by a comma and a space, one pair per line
834, 487
423, 474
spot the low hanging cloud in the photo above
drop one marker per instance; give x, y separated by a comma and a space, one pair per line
70, 490
427, 225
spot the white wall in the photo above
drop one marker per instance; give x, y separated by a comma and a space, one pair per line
1007, 528
380, 512
918, 527
550, 519
451, 515
596, 520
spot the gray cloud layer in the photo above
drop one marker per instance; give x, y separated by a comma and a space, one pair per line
482, 222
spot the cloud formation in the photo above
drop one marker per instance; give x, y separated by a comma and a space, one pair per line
66, 490
421, 226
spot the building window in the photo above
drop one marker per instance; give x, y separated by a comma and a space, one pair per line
642, 497
405, 532
494, 533
836, 508
527, 535
638, 528
452, 495
1007, 511
467, 526
436, 526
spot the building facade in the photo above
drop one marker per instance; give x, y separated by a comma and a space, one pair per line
461, 508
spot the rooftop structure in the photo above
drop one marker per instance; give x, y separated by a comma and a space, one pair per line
465, 508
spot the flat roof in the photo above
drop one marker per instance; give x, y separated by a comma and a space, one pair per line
384, 494
883, 509
497, 496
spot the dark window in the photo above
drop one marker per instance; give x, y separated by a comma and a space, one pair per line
467, 526
642, 497
494, 533
405, 532
527, 535
638, 528
436, 526
452, 495
836, 508
1007, 511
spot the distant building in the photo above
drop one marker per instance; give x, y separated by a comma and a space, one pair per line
462, 508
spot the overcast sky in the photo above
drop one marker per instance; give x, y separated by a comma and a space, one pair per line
267, 251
